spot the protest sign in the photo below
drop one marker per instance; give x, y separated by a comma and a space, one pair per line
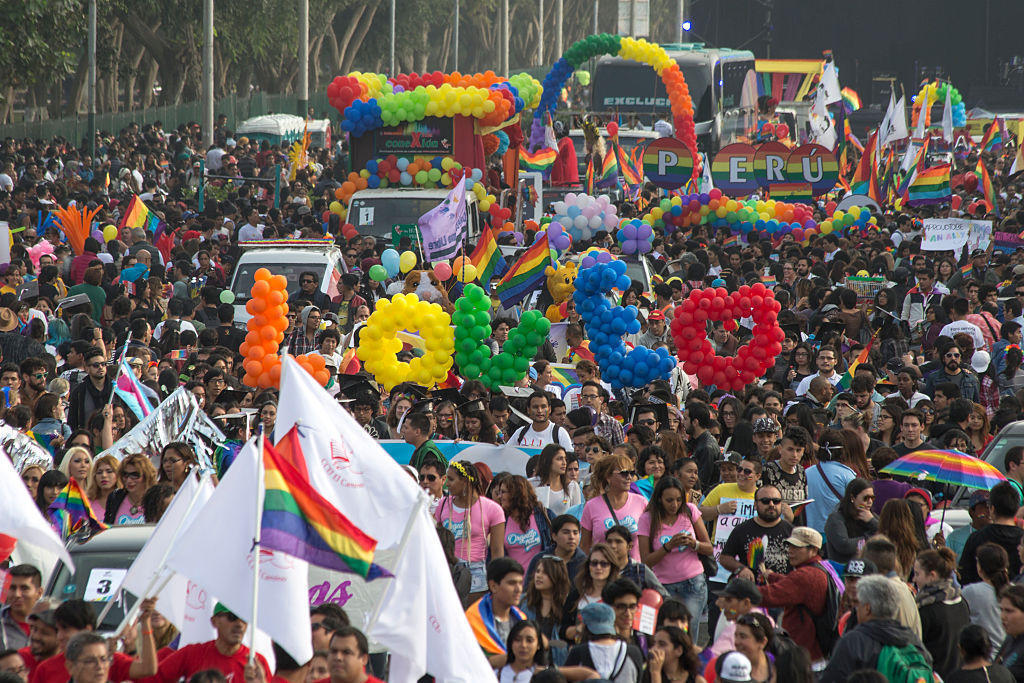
980, 235
723, 528
1007, 242
945, 234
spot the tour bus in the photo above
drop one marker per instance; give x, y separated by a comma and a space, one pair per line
722, 83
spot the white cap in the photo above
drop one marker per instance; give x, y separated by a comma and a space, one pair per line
980, 361
734, 668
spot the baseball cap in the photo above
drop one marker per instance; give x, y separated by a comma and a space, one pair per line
741, 588
765, 425
734, 667
920, 492
859, 568
978, 252
1018, 269
46, 616
803, 537
656, 315
980, 361
732, 457
977, 498
599, 619
221, 608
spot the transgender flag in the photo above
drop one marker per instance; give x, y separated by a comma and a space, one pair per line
129, 389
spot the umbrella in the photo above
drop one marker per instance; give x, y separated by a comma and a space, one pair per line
946, 467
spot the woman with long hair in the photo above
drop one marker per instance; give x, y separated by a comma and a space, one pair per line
527, 527
983, 596
753, 638
49, 419
802, 415
477, 522
671, 657
898, 524
1011, 613
102, 481
124, 506
851, 523
976, 652
31, 474
650, 466
730, 411
978, 428
176, 461
50, 486
399, 406
889, 417
526, 650
597, 571
742, 440
671, 539
854, 455
544, 599
801, 364
478, 426
943, 610
77, 464
672, 443
1011, 378
446, 427
613, 503
688, 473
551, 481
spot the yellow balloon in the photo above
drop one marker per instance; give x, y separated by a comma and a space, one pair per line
336, 207
109, 233
407, 261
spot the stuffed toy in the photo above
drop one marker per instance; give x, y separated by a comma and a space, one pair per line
560, 286
425, 285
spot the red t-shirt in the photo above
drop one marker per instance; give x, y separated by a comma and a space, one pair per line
28, 658
54, 669
201, 656
369, 679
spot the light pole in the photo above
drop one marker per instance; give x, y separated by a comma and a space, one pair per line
456, 50
92, 78
392, 37
595, 16
303, 58
540, 33
559, 11
207, 73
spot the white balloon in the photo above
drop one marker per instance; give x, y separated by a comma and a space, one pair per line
570, 198
560, 208
581, 221
610, 220
604, 200
595, 223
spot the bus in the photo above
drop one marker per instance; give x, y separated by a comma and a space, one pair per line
722, 83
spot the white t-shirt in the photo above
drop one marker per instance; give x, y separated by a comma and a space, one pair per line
6, 182
526, 436
962, 326
183, 325
250, 232
805, 383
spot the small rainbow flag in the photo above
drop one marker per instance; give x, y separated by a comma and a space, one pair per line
966, 271
527, 274
609, 170
542, 160
847, 379
797, 508
865, 176
931, 186
630, 175
851, 100
138, 215
298, 521
564, 376
791, 192
178, 354
993, 138
731, 240
985, 185
71, 511
755, 553
487, 259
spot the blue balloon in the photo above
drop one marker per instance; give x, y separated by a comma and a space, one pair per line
402, 163
390, 260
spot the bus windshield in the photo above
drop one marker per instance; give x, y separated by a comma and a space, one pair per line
738, 82
636, 88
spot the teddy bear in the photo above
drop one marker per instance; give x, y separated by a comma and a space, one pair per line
425, 285
560, 286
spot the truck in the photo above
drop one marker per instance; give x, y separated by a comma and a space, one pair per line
391, 213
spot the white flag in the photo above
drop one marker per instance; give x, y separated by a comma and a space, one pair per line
894, 123
830, 83
20, 518
947, 117
421, 620
216, 552
443, 227
920, 129
899, 122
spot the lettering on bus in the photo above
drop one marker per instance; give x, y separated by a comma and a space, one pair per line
635, 102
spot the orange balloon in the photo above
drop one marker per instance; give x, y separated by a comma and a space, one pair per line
252, 367
352, 177
268, 333
261, 274
259, 322
275, 374
458, 263
322, 376
256, 352
317, 361
265, 382
269, 362
270, 346
260, 288
348, 187
276, 298
278, 325
253, 338
250, 380
338, 194
279, 283
243, 348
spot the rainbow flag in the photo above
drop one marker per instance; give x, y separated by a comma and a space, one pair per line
480, 616
128, 388
931, 186
527, 274
730, 241
298, 521
755, 553
564, 375
609, 170
630, 175
993, 138
138, 215
985, 185
865, 176
542, 160
791, 192
966, 271
851, 100
851, 138
178, 354
590, 175
847, 379
71, 511
487, 259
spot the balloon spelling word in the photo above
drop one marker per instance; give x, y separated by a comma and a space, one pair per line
379, 345
606, 324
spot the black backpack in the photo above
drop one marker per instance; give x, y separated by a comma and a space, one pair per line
826, 625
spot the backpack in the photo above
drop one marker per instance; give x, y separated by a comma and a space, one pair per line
904, 665
826, 625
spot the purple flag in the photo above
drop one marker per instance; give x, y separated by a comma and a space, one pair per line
443, 227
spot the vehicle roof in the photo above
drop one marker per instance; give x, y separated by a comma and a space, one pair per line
413, 192
627, 132
116, 538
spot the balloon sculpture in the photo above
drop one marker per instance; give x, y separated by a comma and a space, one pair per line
582, 214
268, 307
379, 345
473, 325
752, 360
933, 92
635, 237
605, 326
628, 48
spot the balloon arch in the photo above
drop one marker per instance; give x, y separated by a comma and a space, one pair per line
627, 48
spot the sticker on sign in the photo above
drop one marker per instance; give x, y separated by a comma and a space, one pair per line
102, 584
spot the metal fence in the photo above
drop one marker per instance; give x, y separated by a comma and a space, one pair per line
237, 108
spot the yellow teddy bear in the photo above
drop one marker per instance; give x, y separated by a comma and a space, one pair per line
560, 285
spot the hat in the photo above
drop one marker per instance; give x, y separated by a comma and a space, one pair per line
858, 568
977, 498
734, 667
474, 406
828, 308
228, 159
230, 142
599, 619
221, 608
8, 321
243, 140
303, 210
46, 616
656, 315
135, 360
804, 537
67, 302
765, 425
978, 252
980, 361
732, 458
741, 588
920, 492
1018, 269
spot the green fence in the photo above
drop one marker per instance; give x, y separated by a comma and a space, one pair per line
237, 108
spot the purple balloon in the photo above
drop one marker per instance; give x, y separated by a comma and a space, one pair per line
604, 257
588, 261
643, 247
644, 231
629, 232
397, 88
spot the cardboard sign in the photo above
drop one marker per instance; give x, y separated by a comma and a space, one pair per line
945, 234
404, 230
723, 529
733, 167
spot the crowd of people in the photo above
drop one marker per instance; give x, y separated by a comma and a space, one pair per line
759, 524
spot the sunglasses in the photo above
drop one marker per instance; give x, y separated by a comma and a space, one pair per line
96, 365
132, 475
747, 471
952, 355
428, 477
628, 474
600, 563
647, 423
769, 501
594, 449
307, 281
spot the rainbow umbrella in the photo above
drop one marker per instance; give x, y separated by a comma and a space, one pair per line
946, 467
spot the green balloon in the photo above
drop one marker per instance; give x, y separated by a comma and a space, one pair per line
521, 364
481, 318
378, 273
227, 297
543, 326
480, 333
470, 370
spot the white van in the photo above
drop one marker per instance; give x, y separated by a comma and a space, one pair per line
289, 258
394, 211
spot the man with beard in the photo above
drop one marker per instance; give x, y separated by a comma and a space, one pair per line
953, 373
226, 653
826, 362
767, 531
42, 637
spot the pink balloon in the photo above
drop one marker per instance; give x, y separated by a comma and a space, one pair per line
443, 271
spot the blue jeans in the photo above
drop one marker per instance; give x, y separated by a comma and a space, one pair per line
694, 594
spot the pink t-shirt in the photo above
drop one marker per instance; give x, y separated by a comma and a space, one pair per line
681, 563
522, 544
597, 519
124, 514
483, 515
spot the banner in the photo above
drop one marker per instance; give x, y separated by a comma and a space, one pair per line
945, 234
443, 226
980, 236
1007, 242
500, 458
724, 525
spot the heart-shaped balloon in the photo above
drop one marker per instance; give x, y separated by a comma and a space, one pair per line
472, 323
752, 360
605, 325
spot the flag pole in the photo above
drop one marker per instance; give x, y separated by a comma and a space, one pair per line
117, 371
256, 548
406, 535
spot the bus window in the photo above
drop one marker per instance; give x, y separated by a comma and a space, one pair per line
627, 86
738, 103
